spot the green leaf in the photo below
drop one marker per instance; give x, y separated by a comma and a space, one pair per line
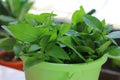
93, 22
43, 32
75, 59
30, 19
67, 40
44, 17
56, 52
15, 6
34, 47
77, 16
7, 18
4, 9
44, 41
18, 48
30, 16
53, 36
77, 40
30, 61
91, 12
7, 44
103, 22
103, 47
108, 29
85, 49
114, 42
64, 28
114, 51
24, 10
114, 35
24, 32
56, 60
72, 33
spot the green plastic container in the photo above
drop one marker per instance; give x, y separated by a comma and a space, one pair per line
53, 71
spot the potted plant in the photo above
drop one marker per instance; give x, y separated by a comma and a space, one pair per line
68, 51
11, 14
13, 10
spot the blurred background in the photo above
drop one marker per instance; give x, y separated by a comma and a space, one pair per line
105, 9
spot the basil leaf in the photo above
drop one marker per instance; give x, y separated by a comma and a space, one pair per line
24, 32
93, 22
56, 52
68, 42
77, 16
7, 44
103, 47
64, 28
114, 35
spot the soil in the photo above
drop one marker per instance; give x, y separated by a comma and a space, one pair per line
8, 56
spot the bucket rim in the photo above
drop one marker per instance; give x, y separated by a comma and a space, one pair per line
71, 67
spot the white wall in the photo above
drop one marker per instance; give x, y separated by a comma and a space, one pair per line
108, 9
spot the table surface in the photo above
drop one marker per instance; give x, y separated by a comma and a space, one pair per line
10, 74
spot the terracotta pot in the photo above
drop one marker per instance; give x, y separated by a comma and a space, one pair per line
14, 64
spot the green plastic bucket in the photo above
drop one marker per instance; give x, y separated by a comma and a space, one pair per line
53, 71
